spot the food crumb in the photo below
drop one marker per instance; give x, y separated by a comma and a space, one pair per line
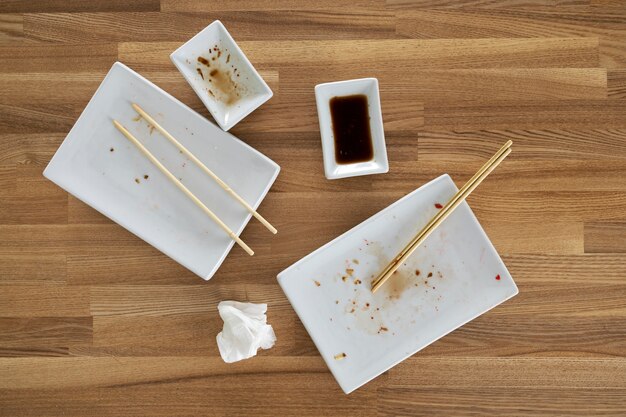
383, 329
357, 281
344, 278
200, 72
349, 271
317, 283
417, 272
340, 356
430, 274
145, 177
352, 311
336, 301
137, 180
136, 118
111, 150
228, 59
355, 261
372, 317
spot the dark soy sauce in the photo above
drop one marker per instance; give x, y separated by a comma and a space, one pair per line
351, 129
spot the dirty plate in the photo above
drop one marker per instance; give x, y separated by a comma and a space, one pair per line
454, 277
221, 75
99, 166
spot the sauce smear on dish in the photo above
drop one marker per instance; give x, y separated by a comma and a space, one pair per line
351, 129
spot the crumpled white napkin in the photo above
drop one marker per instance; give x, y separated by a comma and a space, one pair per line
245, 330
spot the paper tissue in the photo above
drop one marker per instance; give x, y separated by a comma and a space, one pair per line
245, 330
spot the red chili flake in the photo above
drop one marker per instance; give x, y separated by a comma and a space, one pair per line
439, 206
498, 277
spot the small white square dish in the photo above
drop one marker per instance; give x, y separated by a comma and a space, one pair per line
454, 277
99, 166
221, 75
377, 163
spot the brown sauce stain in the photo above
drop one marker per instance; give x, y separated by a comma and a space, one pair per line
200, 72
225, 86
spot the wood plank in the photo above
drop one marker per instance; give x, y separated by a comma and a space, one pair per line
70, 58
531, 144
12, 27
414, 53
458, 84
605, 24
260, 5
559, 114
605, 237
309, 391
58, 239
21, 148
616, 83
488, 4
243, 25
45, 331
44, 301
20, 269
165, 300
20, 373
497, 401
44, 6
515, 372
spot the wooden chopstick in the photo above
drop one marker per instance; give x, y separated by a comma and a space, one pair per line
450, 206
210, 173
180, 185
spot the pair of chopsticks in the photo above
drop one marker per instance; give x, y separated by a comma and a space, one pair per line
180, 185
450, 206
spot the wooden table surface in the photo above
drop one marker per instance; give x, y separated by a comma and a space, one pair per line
94, 321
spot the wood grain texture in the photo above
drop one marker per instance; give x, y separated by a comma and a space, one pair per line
94, 322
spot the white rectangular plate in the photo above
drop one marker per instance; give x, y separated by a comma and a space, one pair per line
455, 276
99, 166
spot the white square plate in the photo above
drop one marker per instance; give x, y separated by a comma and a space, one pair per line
99, 166
330, 288
369, 88
224, 56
